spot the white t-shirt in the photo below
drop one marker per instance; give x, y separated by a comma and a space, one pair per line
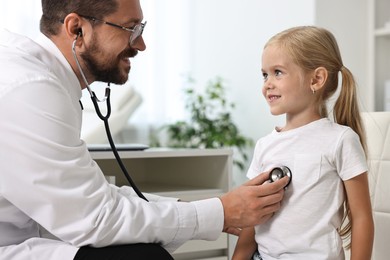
48, 177
321, 155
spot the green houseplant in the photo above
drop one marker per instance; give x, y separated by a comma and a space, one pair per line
210, 123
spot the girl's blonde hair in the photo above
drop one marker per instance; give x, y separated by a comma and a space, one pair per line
312, 47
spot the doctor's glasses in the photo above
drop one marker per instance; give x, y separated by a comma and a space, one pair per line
135, 31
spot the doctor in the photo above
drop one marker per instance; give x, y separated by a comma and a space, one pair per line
47, 177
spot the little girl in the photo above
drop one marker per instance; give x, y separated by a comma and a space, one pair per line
328, 198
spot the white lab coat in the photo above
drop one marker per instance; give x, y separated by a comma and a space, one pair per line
48, 178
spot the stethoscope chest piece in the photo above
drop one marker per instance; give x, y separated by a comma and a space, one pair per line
279, 172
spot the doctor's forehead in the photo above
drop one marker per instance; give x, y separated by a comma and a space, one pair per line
128, 11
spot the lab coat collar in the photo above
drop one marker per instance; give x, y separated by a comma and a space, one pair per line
67, 72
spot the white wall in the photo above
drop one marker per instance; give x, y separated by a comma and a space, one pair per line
21, 16
348, 21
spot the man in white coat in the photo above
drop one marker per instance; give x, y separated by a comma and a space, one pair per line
47, 176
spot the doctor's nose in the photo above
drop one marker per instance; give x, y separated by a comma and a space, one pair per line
139, 44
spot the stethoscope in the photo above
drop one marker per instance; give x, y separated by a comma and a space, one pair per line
279, 172
105, 118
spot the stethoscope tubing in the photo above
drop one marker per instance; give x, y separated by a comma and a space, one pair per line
105, 118
115, 151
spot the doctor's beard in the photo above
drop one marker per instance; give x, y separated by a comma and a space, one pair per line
106, 70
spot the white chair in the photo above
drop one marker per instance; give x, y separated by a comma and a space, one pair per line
124, 101
377, 126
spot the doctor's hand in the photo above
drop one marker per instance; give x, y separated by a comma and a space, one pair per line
252, 203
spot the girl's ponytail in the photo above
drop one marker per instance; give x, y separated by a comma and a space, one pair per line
346, 110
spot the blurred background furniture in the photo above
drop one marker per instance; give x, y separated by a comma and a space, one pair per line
124, 101
188, 174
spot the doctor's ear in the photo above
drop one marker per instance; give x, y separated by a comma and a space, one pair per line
73, 24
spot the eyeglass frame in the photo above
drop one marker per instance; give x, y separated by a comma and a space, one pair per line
133, 36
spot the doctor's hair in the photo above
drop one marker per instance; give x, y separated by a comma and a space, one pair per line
311, 47
54, 12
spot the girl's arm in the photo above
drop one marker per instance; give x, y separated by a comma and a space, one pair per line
361, 217
246, 245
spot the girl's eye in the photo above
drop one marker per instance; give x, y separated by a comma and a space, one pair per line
265, 76
278, 73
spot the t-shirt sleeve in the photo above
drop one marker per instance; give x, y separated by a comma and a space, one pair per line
350, 157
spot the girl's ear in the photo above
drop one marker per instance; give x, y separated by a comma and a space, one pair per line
320, 75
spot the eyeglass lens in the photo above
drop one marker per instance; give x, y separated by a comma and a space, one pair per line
138, 29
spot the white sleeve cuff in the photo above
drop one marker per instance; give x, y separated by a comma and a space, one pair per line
210, 218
